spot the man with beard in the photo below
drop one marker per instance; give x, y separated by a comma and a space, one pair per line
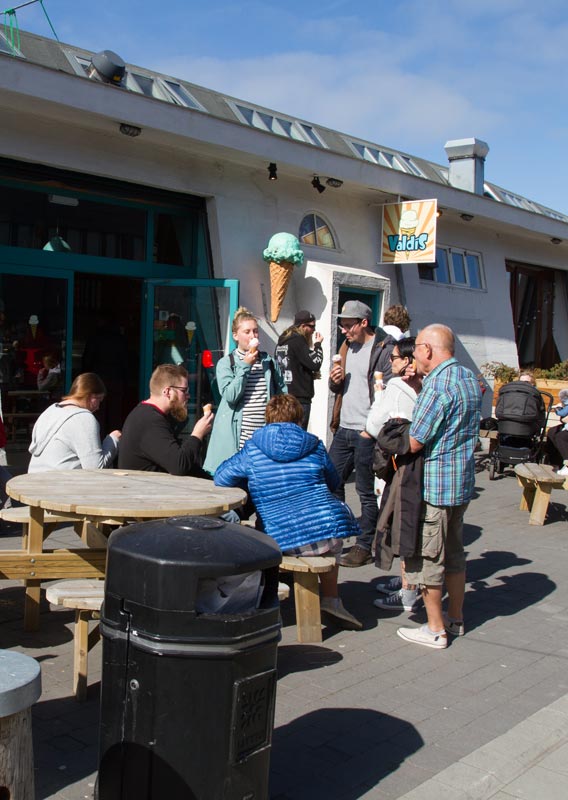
299, 355
148, 435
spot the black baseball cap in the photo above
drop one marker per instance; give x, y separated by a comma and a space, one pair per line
304, 318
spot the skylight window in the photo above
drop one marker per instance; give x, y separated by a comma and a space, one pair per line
265, 121
8, 47
386, 159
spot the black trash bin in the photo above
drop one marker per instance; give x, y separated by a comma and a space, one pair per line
187, 697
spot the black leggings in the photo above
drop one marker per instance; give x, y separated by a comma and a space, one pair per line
557, 445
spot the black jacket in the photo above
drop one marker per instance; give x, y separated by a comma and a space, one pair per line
298, 364
149, 443
399, 523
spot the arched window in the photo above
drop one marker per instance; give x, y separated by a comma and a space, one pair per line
315, 231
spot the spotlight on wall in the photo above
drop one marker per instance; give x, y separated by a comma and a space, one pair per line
440, 213
130, 130
466, 217
335, 183
272, 169
556, 240
317, 184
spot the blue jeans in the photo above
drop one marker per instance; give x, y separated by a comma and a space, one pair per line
350, 451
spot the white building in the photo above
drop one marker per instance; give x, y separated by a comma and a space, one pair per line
156, 198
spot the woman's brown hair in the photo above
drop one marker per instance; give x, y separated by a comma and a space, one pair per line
85, 385
284, 408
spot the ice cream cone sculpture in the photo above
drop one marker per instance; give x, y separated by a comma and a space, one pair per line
253, 345
190, 330
282, 253
379, 384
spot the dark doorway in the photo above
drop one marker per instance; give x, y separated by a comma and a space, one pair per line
532, 302
106, 340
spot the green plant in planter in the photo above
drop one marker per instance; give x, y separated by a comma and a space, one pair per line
558, 372
500, 372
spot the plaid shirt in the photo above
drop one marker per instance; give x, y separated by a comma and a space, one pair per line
446, 421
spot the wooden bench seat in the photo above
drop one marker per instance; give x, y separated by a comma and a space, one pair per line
86, 597
537, 481
306, 592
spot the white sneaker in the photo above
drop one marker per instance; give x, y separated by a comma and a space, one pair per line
392, 585
335, 609
563, 471
424, 636
454, 627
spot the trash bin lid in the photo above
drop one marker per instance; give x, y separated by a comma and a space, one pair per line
160, 562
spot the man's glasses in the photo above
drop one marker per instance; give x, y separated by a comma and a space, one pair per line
344, 327
183, 389
420, 344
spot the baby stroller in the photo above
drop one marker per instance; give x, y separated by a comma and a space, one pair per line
522, 415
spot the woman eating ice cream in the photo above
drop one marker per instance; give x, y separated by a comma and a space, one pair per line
247, 378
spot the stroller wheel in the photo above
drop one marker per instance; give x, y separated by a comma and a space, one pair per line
492, 469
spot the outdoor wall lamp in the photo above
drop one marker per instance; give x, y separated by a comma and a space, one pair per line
130, 130
317, 184
466, 217
272, 168
556, 240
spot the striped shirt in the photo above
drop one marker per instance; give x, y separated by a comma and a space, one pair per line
255, 399
446, 421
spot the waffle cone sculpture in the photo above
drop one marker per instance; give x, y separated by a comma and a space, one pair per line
280, 277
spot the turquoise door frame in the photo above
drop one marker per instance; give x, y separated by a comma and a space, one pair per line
147, 322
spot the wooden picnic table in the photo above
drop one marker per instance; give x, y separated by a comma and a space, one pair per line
97, 496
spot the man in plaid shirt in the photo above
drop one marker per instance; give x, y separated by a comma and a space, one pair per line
445, 426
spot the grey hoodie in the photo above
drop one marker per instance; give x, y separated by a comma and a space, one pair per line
68, 437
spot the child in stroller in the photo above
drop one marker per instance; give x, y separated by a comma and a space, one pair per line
521, 422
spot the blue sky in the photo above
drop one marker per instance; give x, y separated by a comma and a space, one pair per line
408, 74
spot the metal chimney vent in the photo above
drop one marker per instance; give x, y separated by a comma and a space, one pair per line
107, 67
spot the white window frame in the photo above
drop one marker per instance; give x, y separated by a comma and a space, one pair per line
9, 49
449, 250
385, 158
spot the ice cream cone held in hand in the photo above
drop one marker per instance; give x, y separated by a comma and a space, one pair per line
253, 345
282, 253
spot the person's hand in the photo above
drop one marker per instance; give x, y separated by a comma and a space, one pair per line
336, 375
116, 434
318, 337
203, 425
251, 357
365, 435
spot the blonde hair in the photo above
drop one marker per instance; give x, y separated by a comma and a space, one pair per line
85, 385
166, 375
241, 315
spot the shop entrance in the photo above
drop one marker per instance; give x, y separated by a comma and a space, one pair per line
106, 340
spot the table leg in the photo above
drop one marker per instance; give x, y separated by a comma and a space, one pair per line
33, 586
308, 613
540, 504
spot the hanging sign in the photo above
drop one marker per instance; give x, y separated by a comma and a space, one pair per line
409, 232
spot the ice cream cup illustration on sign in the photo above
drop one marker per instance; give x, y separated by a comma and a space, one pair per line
253, 345
190, 330
282, 253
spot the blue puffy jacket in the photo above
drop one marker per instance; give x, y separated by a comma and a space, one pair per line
290, 479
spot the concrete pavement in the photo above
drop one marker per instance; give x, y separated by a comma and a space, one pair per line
367, 715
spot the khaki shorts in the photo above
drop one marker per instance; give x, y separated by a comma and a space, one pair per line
442, 546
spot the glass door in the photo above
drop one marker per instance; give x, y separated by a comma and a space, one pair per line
188, 322
35, 322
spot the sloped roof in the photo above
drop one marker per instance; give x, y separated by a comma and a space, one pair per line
198, 99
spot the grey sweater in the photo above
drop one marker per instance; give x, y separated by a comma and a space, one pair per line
68, 437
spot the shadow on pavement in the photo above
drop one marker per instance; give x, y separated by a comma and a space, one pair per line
338, 753
515, 593
303, 657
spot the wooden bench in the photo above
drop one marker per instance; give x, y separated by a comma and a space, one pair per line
537, 481
86, 597
306, 592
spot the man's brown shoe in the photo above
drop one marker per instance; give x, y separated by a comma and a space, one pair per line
357, 557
